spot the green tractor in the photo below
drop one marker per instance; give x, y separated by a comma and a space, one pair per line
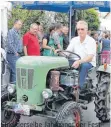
102, 98
46, 86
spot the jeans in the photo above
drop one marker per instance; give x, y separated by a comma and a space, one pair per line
83, 71
11, 58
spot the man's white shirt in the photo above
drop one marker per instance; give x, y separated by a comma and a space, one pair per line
87, 47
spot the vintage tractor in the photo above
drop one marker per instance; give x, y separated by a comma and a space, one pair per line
102, 98
46, 86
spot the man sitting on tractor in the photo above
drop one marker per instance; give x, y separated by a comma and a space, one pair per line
85, 47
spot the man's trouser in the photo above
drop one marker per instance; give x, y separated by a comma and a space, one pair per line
83, 71
12, 58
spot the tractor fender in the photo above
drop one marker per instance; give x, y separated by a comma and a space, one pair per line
107, 70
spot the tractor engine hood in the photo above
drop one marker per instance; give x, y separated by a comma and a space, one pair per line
31, 76
43, 62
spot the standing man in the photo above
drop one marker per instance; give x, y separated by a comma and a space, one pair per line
65, 31
14, 47
85, 47
30, 41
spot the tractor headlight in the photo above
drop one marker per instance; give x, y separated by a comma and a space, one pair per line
47, 93
11, 88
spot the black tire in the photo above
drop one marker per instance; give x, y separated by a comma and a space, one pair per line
102, 99
69, 110
8, 118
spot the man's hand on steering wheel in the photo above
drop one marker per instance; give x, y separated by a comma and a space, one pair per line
76, 64
69, 55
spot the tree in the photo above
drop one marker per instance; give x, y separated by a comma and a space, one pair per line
91, 16
47, 18
27, 16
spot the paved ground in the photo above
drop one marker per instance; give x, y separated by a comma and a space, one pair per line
89, 119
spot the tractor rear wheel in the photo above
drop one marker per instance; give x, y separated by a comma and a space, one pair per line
69, 115
102, 99
8, 118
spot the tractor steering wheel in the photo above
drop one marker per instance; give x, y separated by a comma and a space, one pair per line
73, 56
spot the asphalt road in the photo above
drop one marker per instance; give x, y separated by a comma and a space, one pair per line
89, 120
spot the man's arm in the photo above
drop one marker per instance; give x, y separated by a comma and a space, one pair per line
91, 50
25, 50
57, 40
71, 46
11, 43
59, 46
86, 59
25, 43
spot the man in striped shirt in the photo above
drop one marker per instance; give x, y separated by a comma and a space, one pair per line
14, 47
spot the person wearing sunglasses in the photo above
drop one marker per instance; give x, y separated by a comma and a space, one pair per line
85, 47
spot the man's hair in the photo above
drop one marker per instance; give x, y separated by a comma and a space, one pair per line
58, 26
16, 20
33, 24
106, 35
65, 27
38, 23
51, 28
82, 22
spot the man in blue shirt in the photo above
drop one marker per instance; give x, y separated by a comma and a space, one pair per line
14, 47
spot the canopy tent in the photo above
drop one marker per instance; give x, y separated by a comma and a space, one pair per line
64, 6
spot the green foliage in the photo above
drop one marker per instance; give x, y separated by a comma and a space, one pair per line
47, 18
90, 15
61, 18
92, 18
27, 16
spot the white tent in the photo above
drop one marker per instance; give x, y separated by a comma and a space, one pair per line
5, 10
105, 24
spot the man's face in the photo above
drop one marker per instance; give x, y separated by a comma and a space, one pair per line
95, 36
82, 30
103, 35
34, 30
65, 30
40, 28
18, 25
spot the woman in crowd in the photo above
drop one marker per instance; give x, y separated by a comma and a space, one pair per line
48, 43
57, 36
105, 44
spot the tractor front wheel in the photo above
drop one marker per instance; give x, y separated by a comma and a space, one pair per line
8, 118
69, 115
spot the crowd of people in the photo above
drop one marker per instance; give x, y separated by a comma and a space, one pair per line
36, 42
103, 46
